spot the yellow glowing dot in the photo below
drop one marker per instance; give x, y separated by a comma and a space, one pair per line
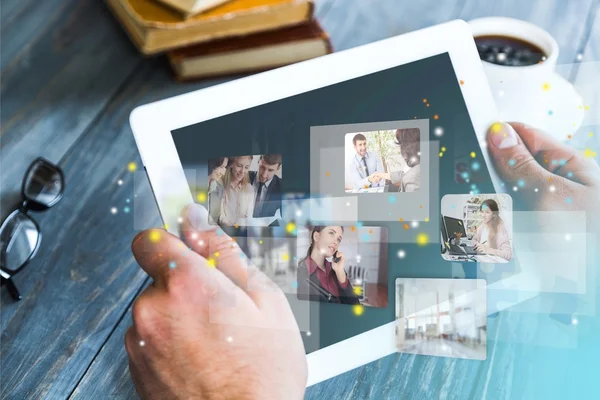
496, 127
441, 154
290, 227
217, 254
427, 219
167, 226
353, 228
424, 100
461, 82
591, 134
473, 154
366, 186
405, 226
327, 173
285, 257
401, 219
154, 235
132, 166
236, 226
260, 241
358, 309
589, 153
370, 231
357, 290
587, 107
436, 116
546, 86
421, 206
201, 197
211, 262
580, 107
422, 239
443, 148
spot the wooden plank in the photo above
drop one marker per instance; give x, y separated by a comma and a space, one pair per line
353, 23
108, 376
62, 61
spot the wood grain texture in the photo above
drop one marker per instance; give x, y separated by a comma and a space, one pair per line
68, 86
108, 376
61, 63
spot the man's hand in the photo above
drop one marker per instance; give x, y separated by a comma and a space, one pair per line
210, 326
374, 178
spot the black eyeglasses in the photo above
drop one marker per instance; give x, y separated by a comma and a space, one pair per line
20, 235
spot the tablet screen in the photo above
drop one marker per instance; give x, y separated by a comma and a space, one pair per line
359, 167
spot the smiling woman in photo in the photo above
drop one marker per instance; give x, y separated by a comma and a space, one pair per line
321, 275
491, 236
233, 196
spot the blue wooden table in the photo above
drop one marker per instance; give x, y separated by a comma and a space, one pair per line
70, 78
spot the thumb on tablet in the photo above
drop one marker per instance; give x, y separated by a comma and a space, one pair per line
212, 243
512, 159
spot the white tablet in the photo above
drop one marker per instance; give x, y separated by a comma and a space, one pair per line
330, 127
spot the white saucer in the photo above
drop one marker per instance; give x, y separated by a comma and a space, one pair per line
551, 104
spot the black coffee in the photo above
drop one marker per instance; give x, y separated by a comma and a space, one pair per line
504, 50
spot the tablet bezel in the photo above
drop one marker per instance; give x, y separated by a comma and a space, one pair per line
152, 125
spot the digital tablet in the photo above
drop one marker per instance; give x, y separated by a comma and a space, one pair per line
349, 153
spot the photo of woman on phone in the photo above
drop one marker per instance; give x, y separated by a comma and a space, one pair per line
321, 275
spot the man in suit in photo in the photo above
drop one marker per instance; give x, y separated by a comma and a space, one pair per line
364, 167
267, 186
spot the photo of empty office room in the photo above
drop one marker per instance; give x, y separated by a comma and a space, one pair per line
441, 317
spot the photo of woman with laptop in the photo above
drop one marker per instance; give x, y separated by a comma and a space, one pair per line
344, 265
477, 227
245, 190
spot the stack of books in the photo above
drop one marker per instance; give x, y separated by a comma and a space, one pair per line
210, 38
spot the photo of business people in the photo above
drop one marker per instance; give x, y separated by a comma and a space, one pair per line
342, 264
477, 228
441, 317
383, 161
245, 190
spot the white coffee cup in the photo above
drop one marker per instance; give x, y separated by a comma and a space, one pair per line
533, 94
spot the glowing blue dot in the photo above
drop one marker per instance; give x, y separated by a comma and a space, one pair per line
569, 200
365, 237
569, 174
473, 186
389, 214
550, 112
391, 199
475, 191
475, 166
126, 209
452, 206
554, 162
359, 224
512, 162
294, 285
464, 175
172, 264
127, 201
563, 162
521, 183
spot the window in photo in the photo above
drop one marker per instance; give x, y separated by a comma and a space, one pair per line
342, 264
383, 161
245, 190
441, 317
477, 228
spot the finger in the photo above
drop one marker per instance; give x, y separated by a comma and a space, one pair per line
227, 257
557, 157
175, 268
162, 255
515, 164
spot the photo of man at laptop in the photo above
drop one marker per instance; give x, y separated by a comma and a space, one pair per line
477, 228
